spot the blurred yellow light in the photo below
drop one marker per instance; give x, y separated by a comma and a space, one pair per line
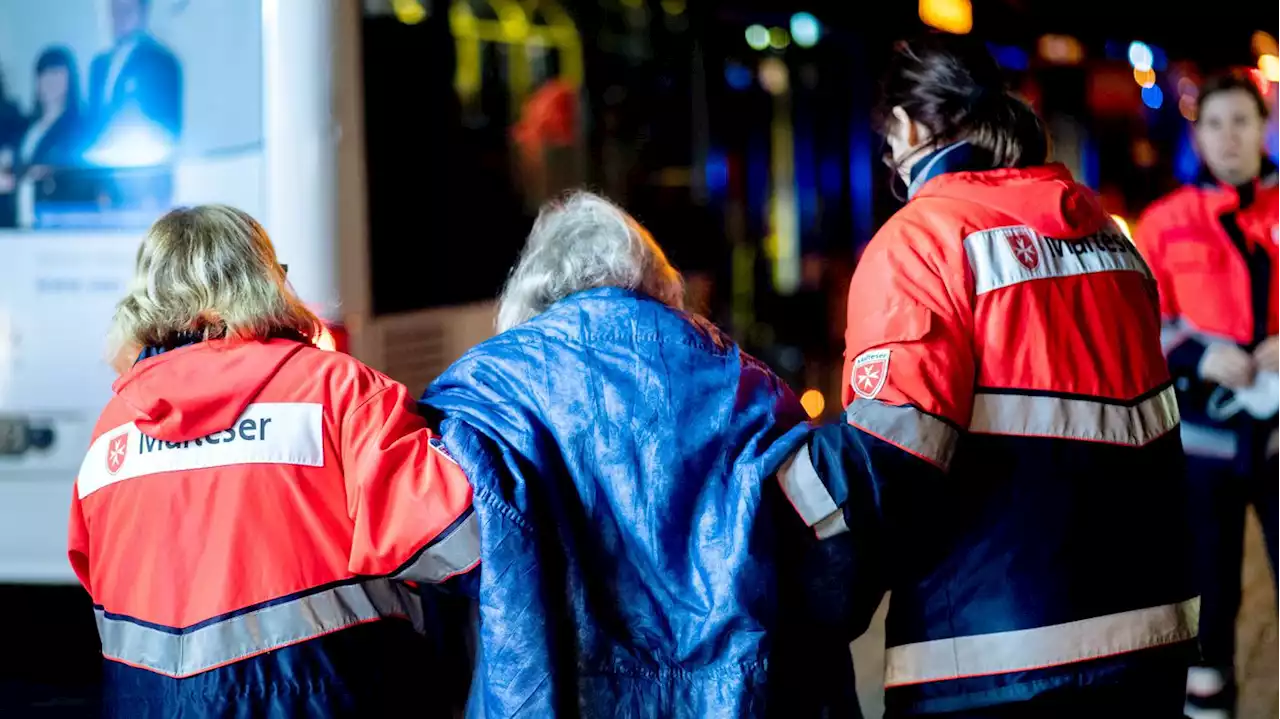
953, 16
325, 340
774, 76
409, 12
514, 22
1145, 78
778, 38
1269, 65
1123, 225
1264, 44
674, 7
813, 403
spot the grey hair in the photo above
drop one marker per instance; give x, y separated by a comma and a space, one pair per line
211, 271
579, 243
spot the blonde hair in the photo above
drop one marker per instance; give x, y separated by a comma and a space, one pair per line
579, 243
208, 271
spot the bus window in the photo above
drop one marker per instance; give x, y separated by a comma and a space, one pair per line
472, 120
111, 113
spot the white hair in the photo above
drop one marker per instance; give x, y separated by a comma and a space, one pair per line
209, 271
579, 243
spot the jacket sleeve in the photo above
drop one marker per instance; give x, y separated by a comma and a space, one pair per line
865, 500
841, 567
1181, 347
909, 377
409, 500
909, 362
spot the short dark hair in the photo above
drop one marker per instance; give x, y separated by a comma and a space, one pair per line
60, 57
951, 85
1227, 82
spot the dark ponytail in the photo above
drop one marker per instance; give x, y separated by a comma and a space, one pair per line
951, 85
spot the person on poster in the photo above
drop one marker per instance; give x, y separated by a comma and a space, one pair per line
53, 140
137, 73
12, 126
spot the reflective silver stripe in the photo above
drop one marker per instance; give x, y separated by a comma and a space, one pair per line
806, 492
261, 630
1027, 649
919, 433
1004, 256
1172, 334
1089, 420
1193, 712
1175, 331
448, 556
1201, 441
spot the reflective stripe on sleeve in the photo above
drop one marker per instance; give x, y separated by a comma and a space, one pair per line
915, 431
454, 552
806, 492
1072, 418
185, 652
1174, 332
1042, 647
1212, 442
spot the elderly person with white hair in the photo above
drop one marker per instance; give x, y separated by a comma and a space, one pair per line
251, 507
639, 558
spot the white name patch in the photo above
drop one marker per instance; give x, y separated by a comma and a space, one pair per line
266, 433
1005, 256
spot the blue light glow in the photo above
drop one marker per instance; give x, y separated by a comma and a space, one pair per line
1010, 57
1153, 97
717, 173
737, 76
805, 29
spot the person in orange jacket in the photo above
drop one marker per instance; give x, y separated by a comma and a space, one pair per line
1212, 246
253, 512
1007, 399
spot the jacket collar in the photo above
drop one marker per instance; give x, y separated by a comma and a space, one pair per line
1244, 193
184, 339
959, 156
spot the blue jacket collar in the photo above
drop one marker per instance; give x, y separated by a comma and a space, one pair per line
602, 293
957, 157
182, 339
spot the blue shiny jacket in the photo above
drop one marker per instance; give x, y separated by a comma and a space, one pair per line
638, 559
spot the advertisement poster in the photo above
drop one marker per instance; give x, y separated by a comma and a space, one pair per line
111, 112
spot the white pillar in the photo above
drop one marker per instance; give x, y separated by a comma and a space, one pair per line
300, 145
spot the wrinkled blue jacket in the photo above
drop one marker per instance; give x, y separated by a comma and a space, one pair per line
638, 561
